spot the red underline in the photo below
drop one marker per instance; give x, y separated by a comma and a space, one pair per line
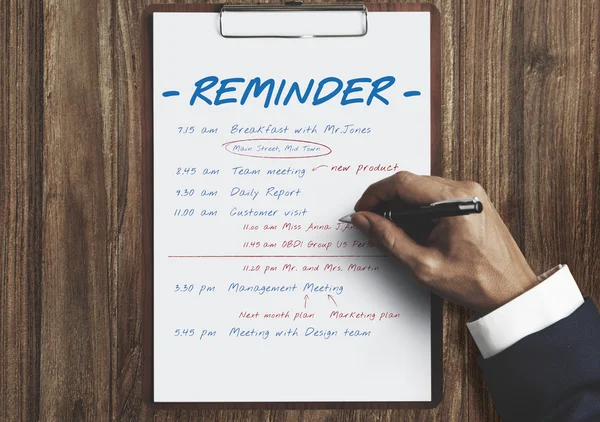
278, 256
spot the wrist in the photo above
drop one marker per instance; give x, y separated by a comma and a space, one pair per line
515, 284
555, 297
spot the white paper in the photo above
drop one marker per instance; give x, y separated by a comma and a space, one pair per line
234, 353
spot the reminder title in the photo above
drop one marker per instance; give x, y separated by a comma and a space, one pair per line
275, 93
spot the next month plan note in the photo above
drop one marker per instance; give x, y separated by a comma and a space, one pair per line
260, 145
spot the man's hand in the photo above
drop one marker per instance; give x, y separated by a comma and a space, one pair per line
471, 260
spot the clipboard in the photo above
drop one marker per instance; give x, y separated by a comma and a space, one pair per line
148, 194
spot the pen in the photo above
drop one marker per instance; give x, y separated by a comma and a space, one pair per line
448, 208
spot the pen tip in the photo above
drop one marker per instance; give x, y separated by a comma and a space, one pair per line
346, 218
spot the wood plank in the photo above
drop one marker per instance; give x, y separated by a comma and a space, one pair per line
77, 373
562, 138
490, 143
453, 405
21, 83
125, 52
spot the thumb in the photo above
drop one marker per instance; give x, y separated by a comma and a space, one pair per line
392, 238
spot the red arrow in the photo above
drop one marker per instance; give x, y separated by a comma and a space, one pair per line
318, 167
331, 297
305, 299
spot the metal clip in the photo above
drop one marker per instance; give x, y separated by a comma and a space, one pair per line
294, 6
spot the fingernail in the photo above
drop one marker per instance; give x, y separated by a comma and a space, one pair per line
362, 223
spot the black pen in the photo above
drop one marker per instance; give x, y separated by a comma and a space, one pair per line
448, 208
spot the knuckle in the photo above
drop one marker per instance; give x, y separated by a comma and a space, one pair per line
427, 269
468, 189
474, 188
403, 177
451, 192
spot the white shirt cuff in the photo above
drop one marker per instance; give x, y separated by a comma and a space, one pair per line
543, 305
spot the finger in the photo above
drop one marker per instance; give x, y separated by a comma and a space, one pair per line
391, 238
406, 187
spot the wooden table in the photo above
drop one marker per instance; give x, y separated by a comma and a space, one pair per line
521, 115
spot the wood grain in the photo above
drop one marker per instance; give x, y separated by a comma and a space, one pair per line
521, 114
78, 237
562, 111
21, 113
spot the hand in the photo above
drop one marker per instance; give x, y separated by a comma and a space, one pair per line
471, 260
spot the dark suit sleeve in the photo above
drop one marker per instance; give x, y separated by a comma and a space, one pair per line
551, 375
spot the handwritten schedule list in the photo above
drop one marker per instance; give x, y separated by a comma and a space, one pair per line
260, 293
